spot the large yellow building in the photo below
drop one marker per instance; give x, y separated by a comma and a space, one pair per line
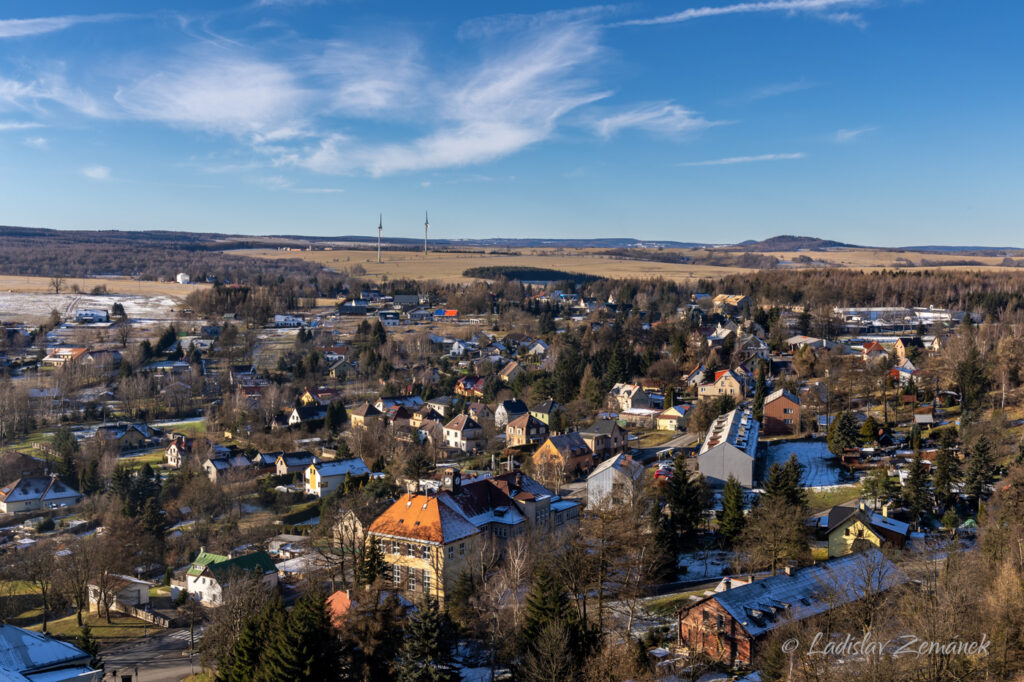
428, 539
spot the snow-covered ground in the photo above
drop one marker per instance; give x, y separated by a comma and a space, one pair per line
36, 307
820, 466
717, 565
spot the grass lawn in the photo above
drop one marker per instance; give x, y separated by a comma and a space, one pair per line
187, 428
653, 439
669, 604
154, 458
820, 500
122, 628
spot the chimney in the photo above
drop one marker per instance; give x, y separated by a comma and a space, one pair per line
728, 583
788, 569
885, 510
519, 479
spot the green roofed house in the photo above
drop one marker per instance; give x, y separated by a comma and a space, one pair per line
210, 573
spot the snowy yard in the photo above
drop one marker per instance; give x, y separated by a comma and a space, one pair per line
820, 466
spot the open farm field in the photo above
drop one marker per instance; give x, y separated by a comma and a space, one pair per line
448, 267
115, 285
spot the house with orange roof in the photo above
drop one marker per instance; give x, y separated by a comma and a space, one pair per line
873, 351
428, 539
58, 357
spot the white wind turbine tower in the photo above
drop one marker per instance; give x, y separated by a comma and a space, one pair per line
426, 228
380, 228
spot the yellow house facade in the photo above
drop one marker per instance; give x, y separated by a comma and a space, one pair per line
426, 541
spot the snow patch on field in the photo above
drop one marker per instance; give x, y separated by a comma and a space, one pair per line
37, 307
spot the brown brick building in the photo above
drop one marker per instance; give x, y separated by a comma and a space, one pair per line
781, 414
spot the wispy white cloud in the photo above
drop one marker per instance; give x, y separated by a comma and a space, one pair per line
225, 93
513, 99
657, 117
96, 172
52, 87
373, 81
37, 142
777, 90
847, 134
746, 159
19, 28
18, 125
790, 6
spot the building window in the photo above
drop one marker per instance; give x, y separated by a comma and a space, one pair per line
451, 551
462, 549
426, 552
426, 580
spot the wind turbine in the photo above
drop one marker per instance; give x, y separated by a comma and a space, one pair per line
426, 228
380, 228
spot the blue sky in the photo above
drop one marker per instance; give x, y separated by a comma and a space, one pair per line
885, 122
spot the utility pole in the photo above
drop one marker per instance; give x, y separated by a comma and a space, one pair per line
426, 228
380, 228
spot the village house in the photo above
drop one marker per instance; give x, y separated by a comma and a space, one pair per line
605, 438
731, 304
730, 448
362, 415
874, 352
220, 469
178, 451
908, 346
729, 626
725, 382
525, 430
441, 404
672, 418
844, 529
696, 376
126, 591
510, 371
463, 433
470, 387
567, 454
781, 413
294, 462
309, 415
632, 396
427, 539
479, 411
208, 574
58, 357
544, 411
37, 492
323, 478
508, 410
613, 481
130, 436
27, 656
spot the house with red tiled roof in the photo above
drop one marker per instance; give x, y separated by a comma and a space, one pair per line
725, 382
873, 351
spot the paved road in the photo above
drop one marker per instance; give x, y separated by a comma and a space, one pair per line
157, 659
